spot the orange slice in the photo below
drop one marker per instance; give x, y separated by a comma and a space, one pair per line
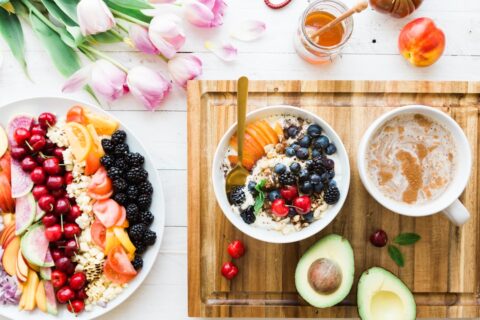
79, 140
103, 125
95, 139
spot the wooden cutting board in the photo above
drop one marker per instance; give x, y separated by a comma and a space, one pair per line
443, 269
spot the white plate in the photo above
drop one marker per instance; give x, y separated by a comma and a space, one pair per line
59, 106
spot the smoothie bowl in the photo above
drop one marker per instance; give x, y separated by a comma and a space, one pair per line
299, 175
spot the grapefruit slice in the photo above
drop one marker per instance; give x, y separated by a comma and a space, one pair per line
79, 139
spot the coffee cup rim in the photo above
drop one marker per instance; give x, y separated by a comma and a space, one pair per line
456, 186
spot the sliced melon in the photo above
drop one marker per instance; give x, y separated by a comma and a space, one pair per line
21, 181
35, 246
46, 273
25, 210
39, 214
51, 300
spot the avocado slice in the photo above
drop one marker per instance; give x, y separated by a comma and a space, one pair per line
324, 274
381, 295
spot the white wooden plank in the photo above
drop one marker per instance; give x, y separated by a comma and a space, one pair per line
175, 188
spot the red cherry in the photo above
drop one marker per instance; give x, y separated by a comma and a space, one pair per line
47, 203
49, 220
37, 142
62, 206
77, 281
38, 175
49, 146
279, 208
65, 294
39, 158
52, 166
75, 212
302, 204
64, 264
54, 182
57, 254
58, 278
18, 152
71, 247
229, 270
379, 238
21, 135
53, 233
36, 129
68, 177
71, 230
58, 153
58, 193
76, 306
47, 120
81, 294
236, 249
289, 192
39, 191
28, 164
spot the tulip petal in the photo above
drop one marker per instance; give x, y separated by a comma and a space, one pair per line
94, 17
166, 34
183, 68
198, 14
78, 80
249, 30
148, 86
108, 80
141, 40
226, 52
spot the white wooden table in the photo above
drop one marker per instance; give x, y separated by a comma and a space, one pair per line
371, 54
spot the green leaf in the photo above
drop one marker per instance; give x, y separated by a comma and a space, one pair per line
260, 199
107, 37
259, 187
405, 239
4, 1
69, 8
64, 57
55, 11
396, 255
132, 4
137, 14
11, 31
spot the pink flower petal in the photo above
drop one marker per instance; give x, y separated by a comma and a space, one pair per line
183, 68
141, 40
198, 14
249, 30
78, 80
148, 86
94, 17
108, 80
226, 52
166, 34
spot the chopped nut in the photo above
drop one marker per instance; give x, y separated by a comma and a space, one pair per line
296, 218
305, 224
280, 148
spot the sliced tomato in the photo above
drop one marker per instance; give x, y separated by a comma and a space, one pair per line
92, 162
120, 262
98, 232
107, 211
76, 114
101, 183
100, 197
123, 217
114, 276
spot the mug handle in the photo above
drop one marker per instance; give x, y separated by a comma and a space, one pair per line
457, 213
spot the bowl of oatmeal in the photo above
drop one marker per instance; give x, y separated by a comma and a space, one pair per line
299, 175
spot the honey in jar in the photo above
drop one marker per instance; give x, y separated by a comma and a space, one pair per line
330, 37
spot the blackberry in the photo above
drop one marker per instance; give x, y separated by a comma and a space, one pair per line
132, 192
119, 185
108, 146
133, 214
120, 198
146, 218
150, 238
237, 196
137, 262
114, 173
317, 166
140, 247
332, 194
144, 202
248, 215
137, 175
287, 179
121, 162
107, 161
145, 188
135, 159
137, 232
121, 149
119, 137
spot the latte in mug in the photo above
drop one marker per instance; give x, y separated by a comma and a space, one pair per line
411, 158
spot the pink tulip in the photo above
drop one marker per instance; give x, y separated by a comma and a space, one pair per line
94, 17
205, 13
105, 79
166, 34
141, 40
148, 86
184, 68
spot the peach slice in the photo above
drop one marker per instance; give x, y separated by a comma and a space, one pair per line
258, 137
9, 259
41, 297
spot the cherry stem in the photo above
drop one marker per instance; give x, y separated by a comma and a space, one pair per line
61, 221
71, 306
29, 146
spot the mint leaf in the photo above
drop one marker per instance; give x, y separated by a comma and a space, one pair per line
405, 239
396, 255
260, 199
259, 187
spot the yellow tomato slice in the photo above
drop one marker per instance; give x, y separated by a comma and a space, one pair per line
111, 241
124, 239
96, 140
79, 140
103, 125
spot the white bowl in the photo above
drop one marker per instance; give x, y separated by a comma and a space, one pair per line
342, 176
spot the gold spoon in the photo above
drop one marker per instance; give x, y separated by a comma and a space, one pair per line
238, 175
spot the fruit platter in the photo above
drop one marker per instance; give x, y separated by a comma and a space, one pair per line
81, 210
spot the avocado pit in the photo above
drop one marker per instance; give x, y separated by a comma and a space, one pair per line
324, 276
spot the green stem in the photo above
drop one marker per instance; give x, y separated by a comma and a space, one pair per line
122, 27
39, 15
87, 54
129, 18
117, 34
104, 56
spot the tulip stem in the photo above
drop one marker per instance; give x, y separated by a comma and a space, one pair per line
104, 56
123, 28
40, 16
129, 18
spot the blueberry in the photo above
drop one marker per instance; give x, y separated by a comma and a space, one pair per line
328, 164
295, 167
303, 175
331, 174
330, 149
325, 177
289, 151
280, 168
308, 217
251, 187
317, 188
321, 142
292, 212
295, 146
308, 163
274, 195
314, 130
306, 187
332, 183
305, 142
302, 153
292, 131
315, 178
316, 153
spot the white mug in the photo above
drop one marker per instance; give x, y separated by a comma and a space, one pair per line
447, 202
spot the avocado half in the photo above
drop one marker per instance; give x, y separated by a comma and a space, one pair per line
324, 274
383, 296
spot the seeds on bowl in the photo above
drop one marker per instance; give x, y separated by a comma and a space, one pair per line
292, 165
